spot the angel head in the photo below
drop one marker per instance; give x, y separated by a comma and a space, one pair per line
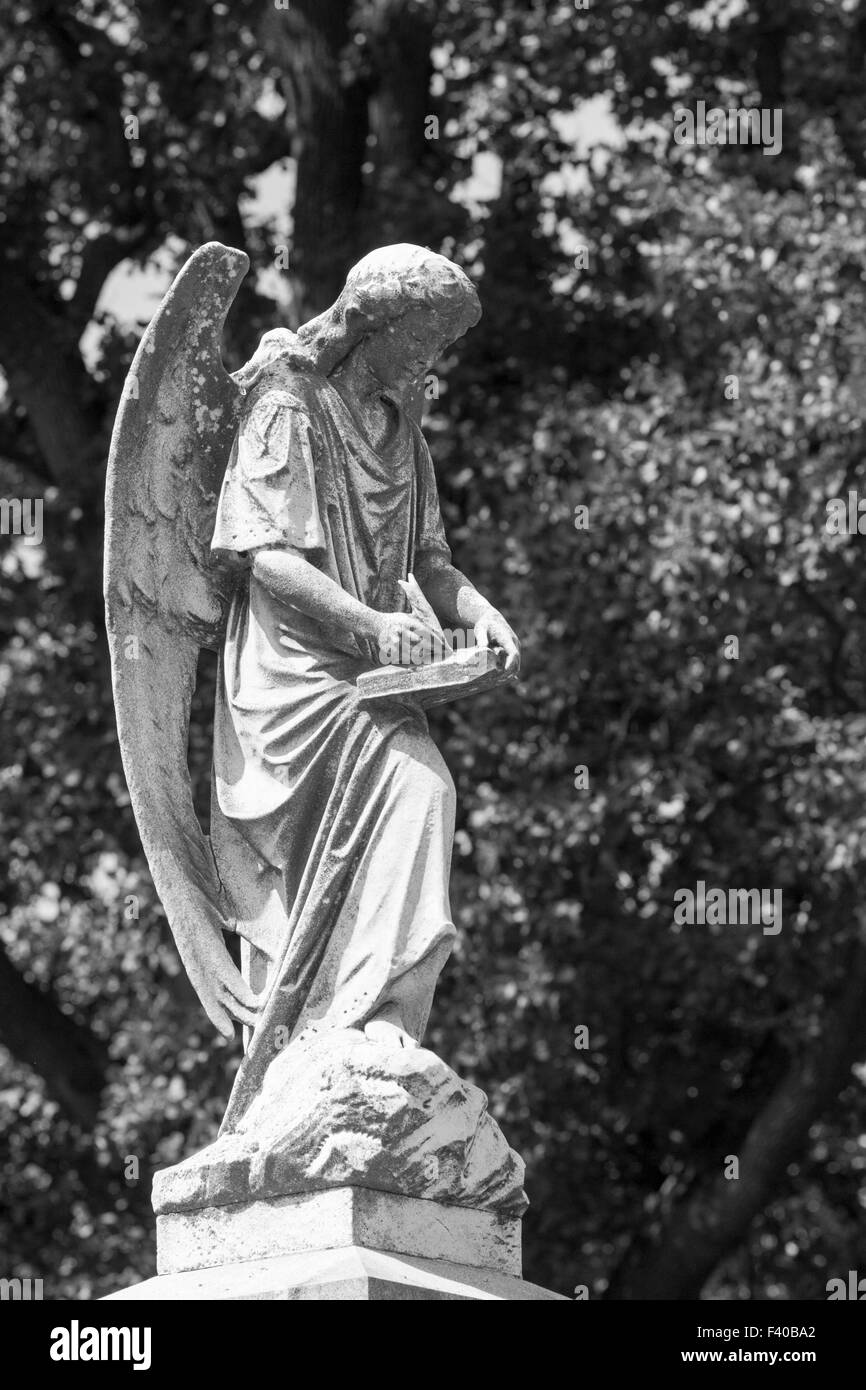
400, 308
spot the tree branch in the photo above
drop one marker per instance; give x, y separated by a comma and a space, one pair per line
98, 259
713, 1222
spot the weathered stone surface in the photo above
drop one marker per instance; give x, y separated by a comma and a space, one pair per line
467, 672
332, 819
350, 1274
330, 1220
341, 1110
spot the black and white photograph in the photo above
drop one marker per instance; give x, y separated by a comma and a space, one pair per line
432, 670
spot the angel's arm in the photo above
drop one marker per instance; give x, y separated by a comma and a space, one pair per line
456, 601
291, 578
453, 596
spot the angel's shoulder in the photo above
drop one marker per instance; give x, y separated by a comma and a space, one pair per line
286, 389
279, 418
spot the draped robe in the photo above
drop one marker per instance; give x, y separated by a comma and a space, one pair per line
332, 824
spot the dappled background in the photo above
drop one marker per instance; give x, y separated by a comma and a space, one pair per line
625, 281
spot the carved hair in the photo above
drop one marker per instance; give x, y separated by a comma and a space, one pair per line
380, 289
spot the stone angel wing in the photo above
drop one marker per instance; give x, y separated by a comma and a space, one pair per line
165, 598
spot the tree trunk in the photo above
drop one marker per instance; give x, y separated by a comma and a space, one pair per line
711, 1224
330, 151
49, 380
70, 1059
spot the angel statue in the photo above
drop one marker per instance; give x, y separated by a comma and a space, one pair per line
282, 515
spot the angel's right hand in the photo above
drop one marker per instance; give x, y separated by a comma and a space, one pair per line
402, 639
222, 989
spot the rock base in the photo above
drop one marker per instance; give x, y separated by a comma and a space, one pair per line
338, 1110
362, 1170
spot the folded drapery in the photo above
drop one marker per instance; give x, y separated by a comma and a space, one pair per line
332, 824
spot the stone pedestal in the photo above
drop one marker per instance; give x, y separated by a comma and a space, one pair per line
346, 1243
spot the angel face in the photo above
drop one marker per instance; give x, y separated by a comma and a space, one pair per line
401, 351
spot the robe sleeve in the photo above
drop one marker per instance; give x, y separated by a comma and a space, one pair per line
268, 494
429, 530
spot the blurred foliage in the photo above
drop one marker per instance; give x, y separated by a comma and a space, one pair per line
607, 387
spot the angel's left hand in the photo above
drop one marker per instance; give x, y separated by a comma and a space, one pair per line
492, 630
